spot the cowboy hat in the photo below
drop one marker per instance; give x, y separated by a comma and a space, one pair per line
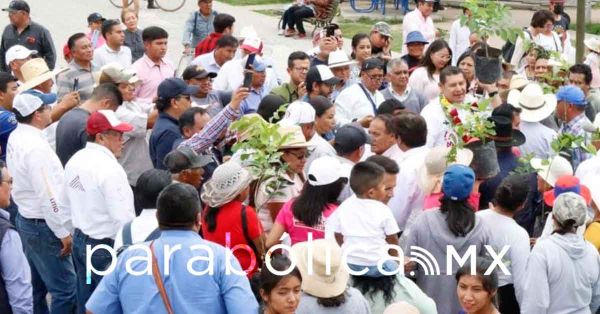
226, 183
550, 171
505, 136
339, 58
36, 72
432, 170
518, 81
327, 277
592, 44
535, 105
295, 137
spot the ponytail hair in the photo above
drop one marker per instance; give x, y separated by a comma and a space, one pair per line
460, 216
211, 218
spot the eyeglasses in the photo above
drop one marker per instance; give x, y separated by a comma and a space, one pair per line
375, 78
303, 70
302, 156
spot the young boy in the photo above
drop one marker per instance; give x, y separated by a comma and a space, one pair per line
363, 225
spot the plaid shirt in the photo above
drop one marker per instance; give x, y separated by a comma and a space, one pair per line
575, 127
208, 44
203, 140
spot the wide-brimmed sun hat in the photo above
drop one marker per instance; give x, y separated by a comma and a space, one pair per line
226, 183
324, 280
592, 44
566, 184
296, 138
553, 169
36, 72
432, 171
535, 105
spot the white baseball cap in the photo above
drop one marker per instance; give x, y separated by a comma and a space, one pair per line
326, 170
298, 112
18, 52
28, 102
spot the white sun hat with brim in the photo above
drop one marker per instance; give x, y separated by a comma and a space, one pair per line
553, 169
226, 183
432, 170
535, 105
339, 58
36, 72
327, 277
592, 44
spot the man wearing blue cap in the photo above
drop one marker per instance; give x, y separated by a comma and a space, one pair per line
415, 46
570, 109
258, 89
174, 97
38, 182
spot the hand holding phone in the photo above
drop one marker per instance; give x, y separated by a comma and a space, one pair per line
247, 78
250, 61
75, 84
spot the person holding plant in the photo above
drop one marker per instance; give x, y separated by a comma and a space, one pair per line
570, 109
426, 78
563, 270
455, 223
226, 220
307, 213
273, 193
477, 291
361, 51
280, 294
541, 33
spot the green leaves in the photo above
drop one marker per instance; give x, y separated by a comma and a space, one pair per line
488, 18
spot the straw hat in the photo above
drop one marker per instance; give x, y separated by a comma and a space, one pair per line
36, 72
321, 281
518, 81
592, 44
296, 138
227, 182
432, 171
535, 105
553, 169
339, 58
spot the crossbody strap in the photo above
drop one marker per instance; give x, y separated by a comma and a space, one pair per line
159, 282
127, 238
247, 235
369, 98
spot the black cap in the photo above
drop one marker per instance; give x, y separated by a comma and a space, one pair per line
95, 17
197, 72
321, 74
17, 5
372, 63
184, 158
349, 138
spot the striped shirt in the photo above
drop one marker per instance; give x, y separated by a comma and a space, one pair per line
208, 44
203, 140
65, 81
575, 127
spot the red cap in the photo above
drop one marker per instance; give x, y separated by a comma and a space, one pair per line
567, 184
67, 52
106, 120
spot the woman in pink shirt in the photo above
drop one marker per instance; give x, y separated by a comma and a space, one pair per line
307, 213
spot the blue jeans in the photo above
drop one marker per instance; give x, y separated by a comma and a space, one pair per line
100, 261
50, 272
388, 266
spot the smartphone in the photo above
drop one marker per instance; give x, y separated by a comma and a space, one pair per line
247, 79
250, 60
330, 31
75, 84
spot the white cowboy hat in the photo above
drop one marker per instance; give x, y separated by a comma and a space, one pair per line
36, 72
553, 169
432, 170
592, 44
535, 105
339, 58
322, 281
518, 81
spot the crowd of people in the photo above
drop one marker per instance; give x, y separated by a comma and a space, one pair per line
124, 187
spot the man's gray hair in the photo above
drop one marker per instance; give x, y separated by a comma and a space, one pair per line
394, 63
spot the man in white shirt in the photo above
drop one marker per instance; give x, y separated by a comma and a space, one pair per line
148, 186
96, 185
383, 138
411, 135
224, 51
114, 50
42, 214
419, 20
361, 100
459, 38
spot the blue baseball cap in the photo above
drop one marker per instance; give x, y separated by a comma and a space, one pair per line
415, 37
173, 87
458, 182
572, 95
259, 66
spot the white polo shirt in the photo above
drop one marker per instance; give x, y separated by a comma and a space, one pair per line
38, 178
96, 185
352, 103
208, 62
104, 55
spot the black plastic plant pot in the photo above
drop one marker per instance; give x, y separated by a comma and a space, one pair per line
485, 160
488, 67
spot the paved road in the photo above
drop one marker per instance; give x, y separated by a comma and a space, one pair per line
66, 17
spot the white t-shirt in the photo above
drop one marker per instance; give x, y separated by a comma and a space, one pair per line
364, 224
420, 81
506, 232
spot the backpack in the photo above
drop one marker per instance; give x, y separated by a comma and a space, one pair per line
127, 237
509, 48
